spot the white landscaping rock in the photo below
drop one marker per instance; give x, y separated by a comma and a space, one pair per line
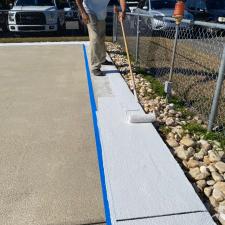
170, 121
218, 195
213, 201
213, 156
206, 160
220, 186
201, 184
193, 163
216, 176
204, 169
208, 191
189, 142
197, 175
172, 143
220, 166
205, 145
200, 155
181, 152
194, 172
211, 168
210, 182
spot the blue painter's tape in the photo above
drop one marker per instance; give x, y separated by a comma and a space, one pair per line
97, 139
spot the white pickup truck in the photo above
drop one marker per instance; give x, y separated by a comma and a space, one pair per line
37, 16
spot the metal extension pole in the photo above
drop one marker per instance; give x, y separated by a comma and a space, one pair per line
174, 53
168, 85
137, 40
217, 93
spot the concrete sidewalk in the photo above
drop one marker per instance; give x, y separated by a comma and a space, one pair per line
48, 164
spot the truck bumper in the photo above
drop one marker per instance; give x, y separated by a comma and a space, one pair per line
33, 28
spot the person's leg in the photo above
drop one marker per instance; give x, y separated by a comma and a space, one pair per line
97, 43
101, 27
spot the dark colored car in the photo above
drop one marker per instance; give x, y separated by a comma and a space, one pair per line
207, 10
3, 17
109, 18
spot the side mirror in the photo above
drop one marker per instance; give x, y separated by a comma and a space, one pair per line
145, 7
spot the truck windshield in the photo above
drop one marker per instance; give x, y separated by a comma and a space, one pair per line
161, 4
35, 3
215, 4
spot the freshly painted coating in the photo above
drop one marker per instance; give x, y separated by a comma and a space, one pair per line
146, 185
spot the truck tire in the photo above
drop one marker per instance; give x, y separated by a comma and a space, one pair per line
83, 29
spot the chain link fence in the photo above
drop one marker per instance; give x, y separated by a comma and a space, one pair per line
198, 58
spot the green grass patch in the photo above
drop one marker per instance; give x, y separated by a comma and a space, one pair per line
164, 130
155, 84
197, 129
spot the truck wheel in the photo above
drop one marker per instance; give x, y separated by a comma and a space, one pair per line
5, 29
83, 29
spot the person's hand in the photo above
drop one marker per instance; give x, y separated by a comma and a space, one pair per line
122, 16
85, 18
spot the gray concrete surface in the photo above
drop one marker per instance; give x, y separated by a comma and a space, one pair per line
48, 164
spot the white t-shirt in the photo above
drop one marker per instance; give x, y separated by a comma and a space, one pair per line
97, 7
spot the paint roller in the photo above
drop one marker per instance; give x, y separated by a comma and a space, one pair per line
135, 116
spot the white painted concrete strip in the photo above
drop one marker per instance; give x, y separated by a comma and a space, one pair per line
145, 179
107, 180
145, 185
120, 89
44, 43
187, 219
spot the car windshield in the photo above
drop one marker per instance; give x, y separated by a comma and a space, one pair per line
161, 4
35, 3
215, 4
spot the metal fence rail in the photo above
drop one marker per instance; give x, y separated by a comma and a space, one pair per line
197, 71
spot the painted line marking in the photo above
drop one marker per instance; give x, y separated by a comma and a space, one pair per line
97, 139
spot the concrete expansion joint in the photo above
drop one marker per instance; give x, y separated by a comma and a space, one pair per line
157, 216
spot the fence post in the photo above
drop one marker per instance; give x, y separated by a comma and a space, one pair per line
137, 40
217, 93
115, 27
168, 84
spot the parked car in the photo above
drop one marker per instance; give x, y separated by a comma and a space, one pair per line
71, 11
72, 18
37, 16
109, 18
3, 17
207, 10
158, 9
132, 5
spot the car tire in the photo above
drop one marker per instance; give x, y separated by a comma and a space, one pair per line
5, 29
83, 29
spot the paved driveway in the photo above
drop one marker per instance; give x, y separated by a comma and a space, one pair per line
48, 163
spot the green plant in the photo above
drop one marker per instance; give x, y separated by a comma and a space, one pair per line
195, 128
165, 130
155, 84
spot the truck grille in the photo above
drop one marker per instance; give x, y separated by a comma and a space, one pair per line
30, 18
31, 28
